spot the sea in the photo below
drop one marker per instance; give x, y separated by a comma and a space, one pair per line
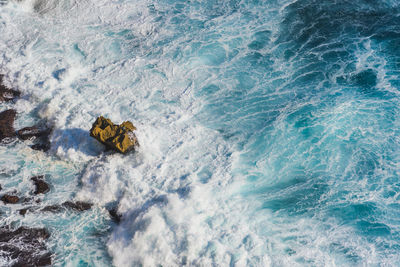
269, 130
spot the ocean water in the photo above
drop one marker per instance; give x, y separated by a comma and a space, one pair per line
268, 130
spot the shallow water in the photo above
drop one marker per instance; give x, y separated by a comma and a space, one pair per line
268, 130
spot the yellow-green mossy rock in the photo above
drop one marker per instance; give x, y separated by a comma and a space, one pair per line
118, 137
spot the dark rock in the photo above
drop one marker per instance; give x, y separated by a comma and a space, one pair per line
7, 94
9, 199
1, 188
41, 146
25, 199
52, 208
40, 135
41, 186
25, 246
23, 234
7, 124
115, 215
33, 131
22, 211
78, 206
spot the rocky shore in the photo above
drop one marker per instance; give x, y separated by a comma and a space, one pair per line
25, 245
22, 246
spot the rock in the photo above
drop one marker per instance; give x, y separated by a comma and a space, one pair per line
22, 211
7, 124
52, 208
41, 186
118, 137
25, 246
42, 146
9, 199
7, 94
23, 234
33, 131
115, 215
78, 206
26, 199
41, 136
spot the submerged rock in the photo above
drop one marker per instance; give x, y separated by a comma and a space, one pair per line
7, 118
115, 215
23, 211
40, 135
41, 186
7, 94
45, 146
23, 233
33, 132
25, 246
52, 208
117, 137
76, 206
9, 199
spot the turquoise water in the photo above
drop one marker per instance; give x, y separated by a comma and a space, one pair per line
268, 129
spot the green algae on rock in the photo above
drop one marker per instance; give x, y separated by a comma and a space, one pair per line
117, 137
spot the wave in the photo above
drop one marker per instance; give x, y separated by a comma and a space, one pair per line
267, 130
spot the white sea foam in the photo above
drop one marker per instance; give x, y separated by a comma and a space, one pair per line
174, 191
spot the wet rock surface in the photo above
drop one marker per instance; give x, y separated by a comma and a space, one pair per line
52, 208
23, 211
117, 217
7, 94
33, 132
9, 199
39, 134
7, 118
42, 146
118, 137
41, 187
76, 206
24, 246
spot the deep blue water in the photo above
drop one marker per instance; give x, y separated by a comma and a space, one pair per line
313, 108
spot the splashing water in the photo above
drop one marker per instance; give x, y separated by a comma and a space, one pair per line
268, 130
